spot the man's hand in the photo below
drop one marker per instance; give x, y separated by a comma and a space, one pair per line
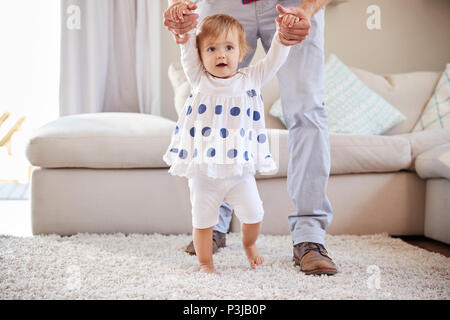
179, 19
290, 35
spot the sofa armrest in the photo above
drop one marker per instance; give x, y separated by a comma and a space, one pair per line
434, 163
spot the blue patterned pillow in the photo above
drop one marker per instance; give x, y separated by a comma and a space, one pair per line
351, 106
437, 111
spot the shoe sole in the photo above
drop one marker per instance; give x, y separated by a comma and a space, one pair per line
316, 272
193, 253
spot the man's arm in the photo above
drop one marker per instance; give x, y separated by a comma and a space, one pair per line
299, 31
312, 6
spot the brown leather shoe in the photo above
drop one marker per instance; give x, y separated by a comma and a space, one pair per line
313, 259
219, 241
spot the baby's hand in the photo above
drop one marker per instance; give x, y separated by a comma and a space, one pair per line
177, 10
289, 20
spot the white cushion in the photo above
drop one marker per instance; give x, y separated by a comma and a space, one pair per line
437, 112
349, 153
101, 140
136, 140
422, 141
434, 163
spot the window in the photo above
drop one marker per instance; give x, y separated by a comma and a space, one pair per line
29, 76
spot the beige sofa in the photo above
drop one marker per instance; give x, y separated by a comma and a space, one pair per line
104, 172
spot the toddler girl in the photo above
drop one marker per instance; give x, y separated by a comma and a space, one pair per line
220, 139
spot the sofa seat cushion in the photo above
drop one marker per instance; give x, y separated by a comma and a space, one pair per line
434, 163
422, 141
349, 153
134, 140
368, 153
101, 140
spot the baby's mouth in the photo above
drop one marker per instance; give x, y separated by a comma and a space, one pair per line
221, 65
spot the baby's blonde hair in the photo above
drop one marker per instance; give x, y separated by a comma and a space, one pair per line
213, 26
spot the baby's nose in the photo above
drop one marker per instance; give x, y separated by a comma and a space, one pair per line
221, 54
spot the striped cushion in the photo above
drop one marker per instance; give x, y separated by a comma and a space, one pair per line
437, 111
351, 106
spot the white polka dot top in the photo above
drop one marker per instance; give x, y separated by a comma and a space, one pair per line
221, 130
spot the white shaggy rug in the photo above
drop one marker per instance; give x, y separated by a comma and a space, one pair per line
94, 266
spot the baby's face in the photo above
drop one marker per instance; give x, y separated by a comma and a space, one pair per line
221, 56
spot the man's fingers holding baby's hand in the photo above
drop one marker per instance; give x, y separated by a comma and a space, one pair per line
298, 24
293, 33
184, 30
190, 21
288, 41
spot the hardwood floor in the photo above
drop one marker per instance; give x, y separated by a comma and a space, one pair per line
427, 244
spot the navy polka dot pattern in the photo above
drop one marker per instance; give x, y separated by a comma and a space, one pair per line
223, 133
211, 152
235, 111
183, 154
206, 131
261, 138
232, 153
201, 108
220, 130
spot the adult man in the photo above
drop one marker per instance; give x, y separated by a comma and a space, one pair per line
301, 81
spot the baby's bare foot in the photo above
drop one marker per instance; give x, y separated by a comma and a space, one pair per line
207, 269
253, 256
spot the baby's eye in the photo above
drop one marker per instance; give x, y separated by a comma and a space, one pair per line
229, 47
211, 49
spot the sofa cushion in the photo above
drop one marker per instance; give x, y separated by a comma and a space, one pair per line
351, 106
101, 140
437, 111
134, 140
408, 92
434, 163
422, 141
349, 153
368, 153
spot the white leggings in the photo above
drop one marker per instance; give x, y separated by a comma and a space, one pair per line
207, 194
